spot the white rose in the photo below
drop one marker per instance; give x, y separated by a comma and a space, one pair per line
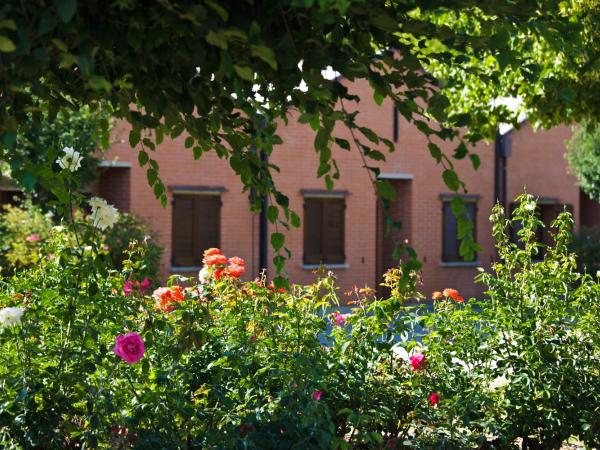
498, 383
10, 316
103, 215
204, 276
71, 160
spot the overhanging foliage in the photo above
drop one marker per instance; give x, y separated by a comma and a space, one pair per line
169, 67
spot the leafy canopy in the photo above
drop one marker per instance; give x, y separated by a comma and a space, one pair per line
208, 68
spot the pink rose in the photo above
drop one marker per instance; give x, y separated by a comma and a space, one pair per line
144, 285
317, 394
141, 286
129, 347
434, 398
339, 319
417, 361
33, 237
127, 288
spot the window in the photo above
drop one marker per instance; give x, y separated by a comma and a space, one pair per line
10, 197
324, 230
196, 227
450, 240
547, 210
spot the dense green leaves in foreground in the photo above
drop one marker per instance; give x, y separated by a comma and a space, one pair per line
228, 364
208, 67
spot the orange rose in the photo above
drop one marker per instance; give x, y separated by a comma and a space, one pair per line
213, 260
450, 293
234, 270
167, 297
237, 261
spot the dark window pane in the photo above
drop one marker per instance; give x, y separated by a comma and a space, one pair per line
11, 197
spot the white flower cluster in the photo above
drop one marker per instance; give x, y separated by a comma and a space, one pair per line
10, 316
103, 214
71, 160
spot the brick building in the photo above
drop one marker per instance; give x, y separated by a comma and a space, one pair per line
343, 227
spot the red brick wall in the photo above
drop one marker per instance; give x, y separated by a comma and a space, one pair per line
537, 162
538, 165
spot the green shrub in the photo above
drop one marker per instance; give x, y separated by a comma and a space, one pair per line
23, 230
129, 229
523, 361
231, 364
586, 246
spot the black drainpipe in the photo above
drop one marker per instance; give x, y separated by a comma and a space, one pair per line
260, 122
263, 228
503, 150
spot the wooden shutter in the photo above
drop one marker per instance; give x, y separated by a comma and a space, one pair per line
196, 227
333, 231
208, 223
11, 197
313, 217
449, 236
183, 230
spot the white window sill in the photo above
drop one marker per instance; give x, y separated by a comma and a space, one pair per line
326, 266
459, 264
185, 268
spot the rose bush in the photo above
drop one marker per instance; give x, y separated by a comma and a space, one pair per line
91, 357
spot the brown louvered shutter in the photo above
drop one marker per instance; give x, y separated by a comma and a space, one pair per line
183, 230
449, 237
313, 216
196, 227
208, 224
333, 231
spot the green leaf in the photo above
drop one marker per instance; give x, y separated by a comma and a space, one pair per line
385, 189
475, 160
134, 137
369, 134
294, 219
152, 176
435, 151
66, 9
461, 151
222, 12
378, 97
277, 240
143, 158
217, 39
189, 142
376, 155
322, 138
451, 179
244, 72
264, 53
6, 45
8, 24
343, 143
272, 213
